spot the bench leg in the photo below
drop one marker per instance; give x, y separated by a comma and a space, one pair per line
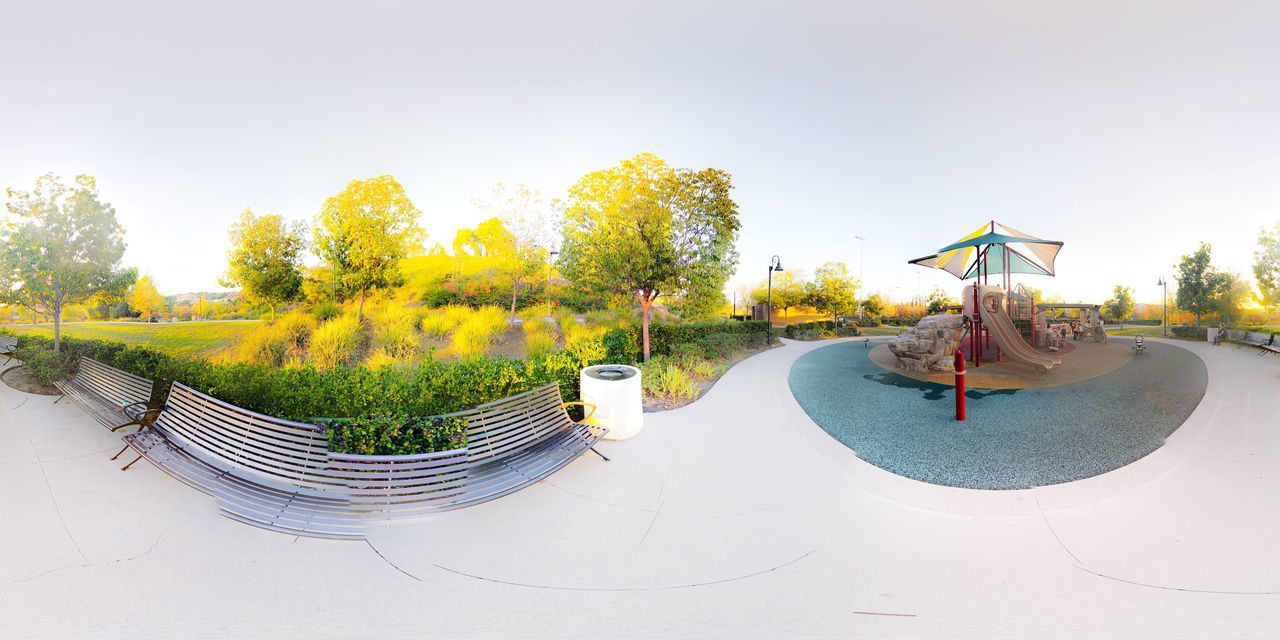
60, 398
126, 467
606, 458
127, 424
120, 452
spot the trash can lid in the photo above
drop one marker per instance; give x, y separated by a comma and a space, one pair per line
611, 372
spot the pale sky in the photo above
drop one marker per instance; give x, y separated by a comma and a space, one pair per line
1130, 131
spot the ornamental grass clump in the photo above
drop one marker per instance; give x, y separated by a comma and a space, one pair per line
478, 332
334, 343
395, 332
276, 343
664, 378
441, 323
539, 335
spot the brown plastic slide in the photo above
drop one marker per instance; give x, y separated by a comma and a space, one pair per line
1007, 336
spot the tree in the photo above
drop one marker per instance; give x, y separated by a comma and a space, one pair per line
938, 301
644, 229
202, 308
788, 290
1200, 286
62, 246
146, 299
265, 259
1236, 293
832, 290
873, 305
1120, 305
1266, 267
364, 232
527, 221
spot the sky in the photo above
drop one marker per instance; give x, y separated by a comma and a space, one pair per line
1131, 131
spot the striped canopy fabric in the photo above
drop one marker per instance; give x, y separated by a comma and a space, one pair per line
1002, 249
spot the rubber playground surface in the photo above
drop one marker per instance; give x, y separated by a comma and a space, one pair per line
1013, 438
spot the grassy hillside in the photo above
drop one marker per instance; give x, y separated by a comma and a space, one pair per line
188, 339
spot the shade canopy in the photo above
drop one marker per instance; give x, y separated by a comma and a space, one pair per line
994, 248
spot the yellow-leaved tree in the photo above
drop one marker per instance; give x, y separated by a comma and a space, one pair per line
146, 299
364, 232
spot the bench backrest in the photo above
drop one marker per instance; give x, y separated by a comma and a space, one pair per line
8, 344
506, 427
226, 436
120, 388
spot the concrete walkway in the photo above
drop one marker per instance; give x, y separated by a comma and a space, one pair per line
733, 517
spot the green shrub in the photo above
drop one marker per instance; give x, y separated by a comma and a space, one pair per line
388, 434
1190, 332
665, 336
819, 330
622, 346
45, 364
335, 342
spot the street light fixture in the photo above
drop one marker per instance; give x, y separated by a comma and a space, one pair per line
551, 259
775, 264
1164, 307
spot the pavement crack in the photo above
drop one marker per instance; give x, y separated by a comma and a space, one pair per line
94, 564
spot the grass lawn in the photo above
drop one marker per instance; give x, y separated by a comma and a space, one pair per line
1150, 332
883, 330
184, 339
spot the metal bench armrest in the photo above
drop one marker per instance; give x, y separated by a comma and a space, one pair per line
591, 409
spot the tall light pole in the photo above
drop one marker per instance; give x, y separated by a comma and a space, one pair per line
862, 249
1164, 307
775, 264
551, 259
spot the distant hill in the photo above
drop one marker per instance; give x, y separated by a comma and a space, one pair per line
211, 296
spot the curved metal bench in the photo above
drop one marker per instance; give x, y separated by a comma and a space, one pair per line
280, 474
8, 348
115, 398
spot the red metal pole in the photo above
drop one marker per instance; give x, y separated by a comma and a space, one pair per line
959, 365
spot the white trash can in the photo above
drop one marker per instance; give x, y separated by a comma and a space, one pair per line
614, 389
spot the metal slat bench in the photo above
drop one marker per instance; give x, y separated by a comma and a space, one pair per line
8, 347
115, 398
280, 475
1266, 343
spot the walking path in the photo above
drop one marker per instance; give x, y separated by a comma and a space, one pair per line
734, 516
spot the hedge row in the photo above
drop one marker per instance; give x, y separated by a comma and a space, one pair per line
429, 388
715, 337
818, 330
1190, 332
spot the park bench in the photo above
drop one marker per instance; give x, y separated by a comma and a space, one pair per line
281, 475
1138, 346
1265, 343
8, 348
115, 398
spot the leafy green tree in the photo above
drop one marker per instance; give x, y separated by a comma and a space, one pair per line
62, 246
832, 290
1120, 305
1200, 285
146, 299
265, 259
1266, 267
202, 308
527, 221
938, 301
788, 290
873, 305
1236, 293
364, 232
644, 229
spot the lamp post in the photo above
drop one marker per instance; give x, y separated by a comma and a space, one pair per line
1164, 307
551, 259
775, 264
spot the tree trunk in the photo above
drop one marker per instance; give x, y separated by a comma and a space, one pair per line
360, 306
273, 313
645, 305
515, 286
57, 329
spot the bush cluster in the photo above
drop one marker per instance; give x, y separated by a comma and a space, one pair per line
713, 338
819, 330
1190, 332
45, 365
388, 434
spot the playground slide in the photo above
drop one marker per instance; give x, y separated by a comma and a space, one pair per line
1007, 336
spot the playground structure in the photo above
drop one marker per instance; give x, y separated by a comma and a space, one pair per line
1006, 321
